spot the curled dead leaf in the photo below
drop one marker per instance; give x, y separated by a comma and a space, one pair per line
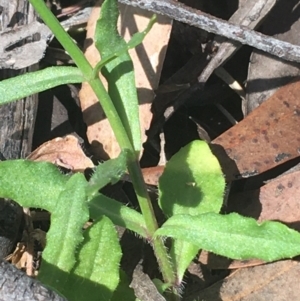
65, 152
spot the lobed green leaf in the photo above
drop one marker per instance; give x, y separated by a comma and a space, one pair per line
182, 253
31, 184
234, 236
98, 263
123, 291
65, 233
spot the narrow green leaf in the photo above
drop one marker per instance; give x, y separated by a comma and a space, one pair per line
182, 253
118, 72
192, 183
136, 39
31, 184
98, 263
234, 236
65, 233
119, 214
30, 83
108, 172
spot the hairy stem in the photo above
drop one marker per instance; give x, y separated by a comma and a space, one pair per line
119, 131
150, 220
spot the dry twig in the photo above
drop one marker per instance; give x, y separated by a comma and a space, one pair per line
220, 27
250, 14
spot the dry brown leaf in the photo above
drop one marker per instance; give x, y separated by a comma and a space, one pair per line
151, 175
279, 200
266, 138
65, 152
276, 200
19, 257
147, 59
216, 262
277, 281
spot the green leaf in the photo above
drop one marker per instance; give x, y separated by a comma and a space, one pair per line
136, 39
108, 172
118, 72
182, 253
119, 214
65, 233
98, 262
31, 184
30, 83
160, 285
123, 291
192, 183
234, 236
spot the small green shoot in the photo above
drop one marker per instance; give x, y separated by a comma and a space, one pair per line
108, 172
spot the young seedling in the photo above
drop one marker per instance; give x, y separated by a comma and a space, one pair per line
79, 263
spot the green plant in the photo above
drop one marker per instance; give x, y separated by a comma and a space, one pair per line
190, 190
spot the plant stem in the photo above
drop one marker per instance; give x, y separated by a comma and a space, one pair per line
85, 67
63, 37
137, 180
111, 114
150, 220
118, 213
119, 130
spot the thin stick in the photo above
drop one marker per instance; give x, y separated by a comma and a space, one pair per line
220, 27
250, 15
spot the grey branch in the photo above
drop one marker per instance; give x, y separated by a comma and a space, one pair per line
220, 27
250, 14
